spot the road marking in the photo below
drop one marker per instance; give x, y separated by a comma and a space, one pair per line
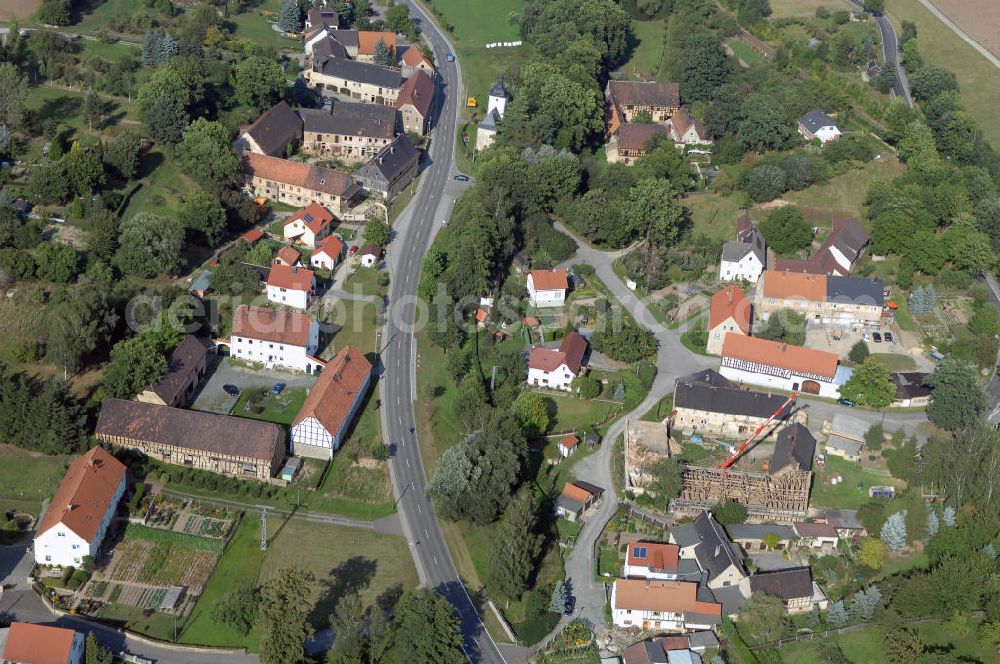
407, 462
418, 507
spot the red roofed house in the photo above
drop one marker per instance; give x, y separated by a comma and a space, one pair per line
287, 256
24, 643
334, 400
309, 224
297, 184
291, 286
414, 60
662, 606
778, 365
630, 142
327, 254
253, 235
568, 445
275, 338
414, 103
367, 40
652, 560
685, 129
729, 312
370, 255
79, 514
556, 369
626, 100
547, 288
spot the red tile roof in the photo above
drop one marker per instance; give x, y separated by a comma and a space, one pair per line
418, 91
807, 529
730, 302
794, 286
85, 494
549, 279
310, 178
645, 93
659, 555
331, 246
414, 56
252, 235
371, 250
781, 355
573, 348
275, 325
368, 38
288, 255
291, 278
38, 644
635, 136
664, 596
545, 359
574, 492
333, 394
481, 315
569, 442
314, 216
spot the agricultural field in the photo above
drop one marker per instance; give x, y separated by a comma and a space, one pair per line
977, 78
27, 478
792, 8
18, 10
977, 18
163, 563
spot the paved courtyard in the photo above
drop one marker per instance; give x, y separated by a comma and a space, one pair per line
213, 398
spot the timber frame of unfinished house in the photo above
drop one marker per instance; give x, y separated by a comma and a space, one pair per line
784, 495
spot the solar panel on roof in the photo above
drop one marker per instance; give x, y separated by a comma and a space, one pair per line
639, 552
308, 217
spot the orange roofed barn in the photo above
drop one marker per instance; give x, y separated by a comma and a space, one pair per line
24, 643
297, 184
333, 402
662, 605
729, 313
778, 365
81, 509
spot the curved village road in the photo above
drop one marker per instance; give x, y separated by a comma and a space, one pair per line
890, 51
415, 230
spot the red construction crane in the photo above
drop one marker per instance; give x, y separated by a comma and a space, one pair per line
743, 448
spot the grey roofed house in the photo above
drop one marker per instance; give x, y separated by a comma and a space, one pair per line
757, 531
392, 168
873, 69
709, 391
795, 446
714, 551
910, 385
730, 597
849, 237
848, 448
684, 535
351, 118
688, 570
857, 290
569, 504
274, 130
361, 72
702, 641
592, 489
788, 584
815, 120
202, 283
329, 48
185, 360
735, 250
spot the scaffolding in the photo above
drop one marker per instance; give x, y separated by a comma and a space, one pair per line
782, 495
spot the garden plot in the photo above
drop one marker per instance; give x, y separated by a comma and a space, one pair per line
149, 563
202, 526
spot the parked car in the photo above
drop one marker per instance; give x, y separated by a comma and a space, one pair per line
846, 402
450, 57
231, 390
353, 250
866, 337
462, 178
888, 336
876, 337
278, 387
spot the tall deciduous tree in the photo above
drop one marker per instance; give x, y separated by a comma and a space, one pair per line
704, 67
259, 82
870, 384
786, 230
426, 629
206, 152
121, 154
286, 599
515, 548
532, 412
762, 618
203, 213
149, 245
957, 400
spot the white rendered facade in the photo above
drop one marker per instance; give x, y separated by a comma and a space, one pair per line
311, 439
61, 546
274, 354
749, 268
291, 297
560, 378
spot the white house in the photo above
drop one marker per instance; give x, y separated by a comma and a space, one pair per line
78, 516
309, 224
370, 255
292, 286
729, 313
27, 643
743, 260
817, 124
556, 369
327, 254
547, 288
275, 338
756, 361
658, 561
704, 541
568, 445
334, 400
662, 605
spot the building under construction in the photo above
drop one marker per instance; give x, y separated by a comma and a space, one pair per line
780, 492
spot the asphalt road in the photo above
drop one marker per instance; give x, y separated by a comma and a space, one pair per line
993, 387
415, 230
890, 52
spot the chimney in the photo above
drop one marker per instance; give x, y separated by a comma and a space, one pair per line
783, 347
718, 549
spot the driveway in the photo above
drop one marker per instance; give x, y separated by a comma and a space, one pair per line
213, 399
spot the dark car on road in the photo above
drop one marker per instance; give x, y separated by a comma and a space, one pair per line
888, 336
876, 337
231, 390
278, 387
846, 402
462, 178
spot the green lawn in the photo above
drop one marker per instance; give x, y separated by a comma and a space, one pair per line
660, 411
896, 362
104, 12
280, 409
846, 494
164, 182
343, 560
573, 414
365, 281
438, 425
845, 194
251, 25
786, 8
26, 478
978, 80
745, 53
157, 625
65, 105
355, 323
713, 215
647, 59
